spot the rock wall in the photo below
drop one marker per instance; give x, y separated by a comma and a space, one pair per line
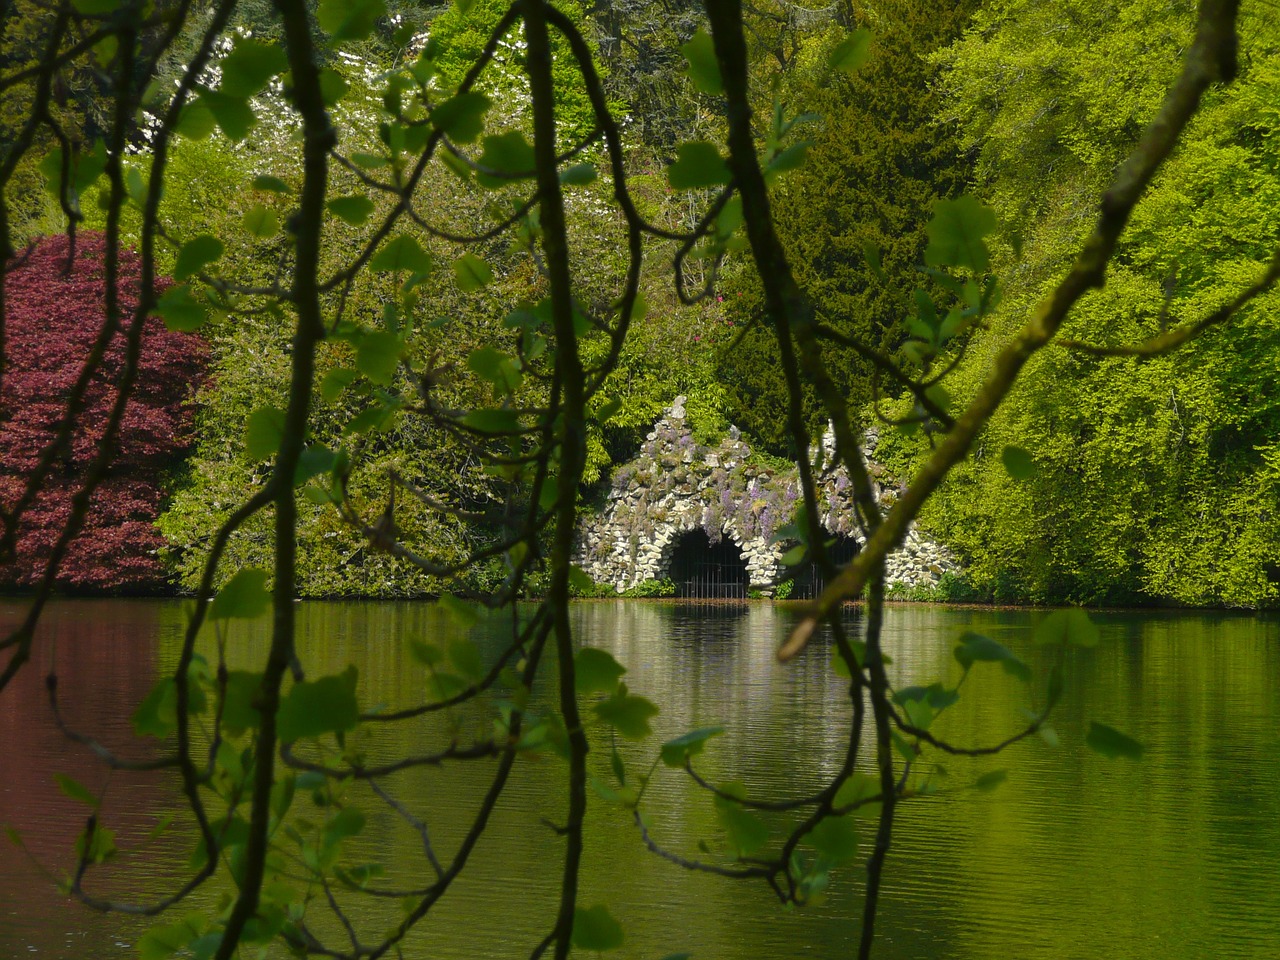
677, 486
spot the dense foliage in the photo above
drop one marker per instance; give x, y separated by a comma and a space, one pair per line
55, 311
1156, 479
853, 218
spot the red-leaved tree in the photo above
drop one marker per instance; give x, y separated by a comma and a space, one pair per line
53, 318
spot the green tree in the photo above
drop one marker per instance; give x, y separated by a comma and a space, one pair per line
1156, 479
853, 218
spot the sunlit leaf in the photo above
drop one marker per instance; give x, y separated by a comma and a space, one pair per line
675, 753
595, 671
378, 356
698, 164
261, 221
704, 69
851, 52
316, 707
76, 790
461, 117
747, 833
627, 714
989, 781
1071, 625
471, 272
234, 116
1110, 742
239, 712
250, 66
1018, 463
195, 255
956, 233
835, 839
594, 928
354, 210
270, 184
403, 252
349, 19
263, 432
180, 310
245, 596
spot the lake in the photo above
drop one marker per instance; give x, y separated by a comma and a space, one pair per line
1075, 856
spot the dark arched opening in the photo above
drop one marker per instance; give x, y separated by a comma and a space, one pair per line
702, 570
809, 581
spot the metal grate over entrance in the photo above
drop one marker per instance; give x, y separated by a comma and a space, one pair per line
702, 570
809, 582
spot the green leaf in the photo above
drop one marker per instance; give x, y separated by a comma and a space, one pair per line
378, 356
347, 822
788, 159
856, 792
159, 943
312, 708
333, 87
249, 67
269, 184
76, 790
461, 117
835, 839
795, 555
335, 382
609, 410
676, 752
465, 655
425, 653
747, 833
1071, 625
492, 421
239, 712
263, 432
180, 310
595, 671
261, 221
195, 255
578, 175
506, 157
354, 210
704, 69
956, 233
196, 121
245, 596
974, 647
314, 460
1110, 742
627, 714
234, 116
698, 164
989, 781
1018, 463
401, 253
156, 716
463, 614
851, 52
471, 272
595, 929
349, 19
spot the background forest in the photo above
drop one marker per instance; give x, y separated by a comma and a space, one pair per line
1153, 480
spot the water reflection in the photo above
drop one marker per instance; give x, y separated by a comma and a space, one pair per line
1074, 857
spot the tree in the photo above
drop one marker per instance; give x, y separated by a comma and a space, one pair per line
53, 314
544, 373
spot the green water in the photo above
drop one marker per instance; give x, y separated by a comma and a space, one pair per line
1174, 857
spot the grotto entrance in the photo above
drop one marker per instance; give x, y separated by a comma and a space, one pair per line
702, 570
809, 583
